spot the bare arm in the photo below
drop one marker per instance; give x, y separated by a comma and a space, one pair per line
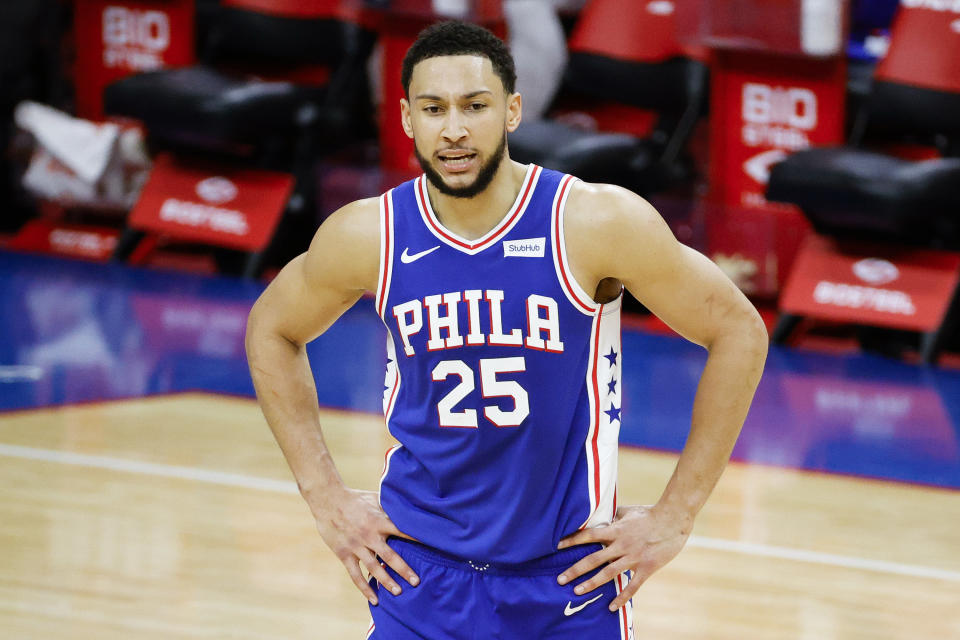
623, 237
305, 298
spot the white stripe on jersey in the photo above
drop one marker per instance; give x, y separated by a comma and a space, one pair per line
604, 384
385, 273
568, 283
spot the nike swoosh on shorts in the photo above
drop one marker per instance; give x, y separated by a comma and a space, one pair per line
569, 611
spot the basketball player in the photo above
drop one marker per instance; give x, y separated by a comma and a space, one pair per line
500, 286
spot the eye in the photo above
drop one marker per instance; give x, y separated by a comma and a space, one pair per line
432, 109
477, 106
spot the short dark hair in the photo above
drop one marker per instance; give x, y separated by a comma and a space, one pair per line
455, 38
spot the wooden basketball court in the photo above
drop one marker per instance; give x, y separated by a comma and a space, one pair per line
176, 517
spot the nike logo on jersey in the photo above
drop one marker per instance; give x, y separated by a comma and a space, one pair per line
406, 257
569, 611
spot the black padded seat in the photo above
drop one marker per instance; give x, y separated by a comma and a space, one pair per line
675, 89
849, 192
202, 102
616, 158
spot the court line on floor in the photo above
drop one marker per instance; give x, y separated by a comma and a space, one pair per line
289, 487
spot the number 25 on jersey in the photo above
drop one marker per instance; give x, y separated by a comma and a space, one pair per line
490, 387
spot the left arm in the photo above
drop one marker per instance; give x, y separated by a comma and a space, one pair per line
612, 233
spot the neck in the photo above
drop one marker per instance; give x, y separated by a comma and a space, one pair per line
472, 218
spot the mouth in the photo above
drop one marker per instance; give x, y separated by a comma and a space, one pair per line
457, 161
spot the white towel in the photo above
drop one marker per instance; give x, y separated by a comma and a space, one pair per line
83, 146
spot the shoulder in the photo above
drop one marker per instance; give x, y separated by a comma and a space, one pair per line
603, 208
603, 222
346, 247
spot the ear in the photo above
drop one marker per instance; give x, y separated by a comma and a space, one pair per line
405, 117
514, 109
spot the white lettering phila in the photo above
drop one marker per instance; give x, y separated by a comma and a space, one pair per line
444, 322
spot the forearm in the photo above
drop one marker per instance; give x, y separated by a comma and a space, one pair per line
288, 397
724, 394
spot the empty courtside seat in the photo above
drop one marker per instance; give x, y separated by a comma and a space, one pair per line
281, 83
630, 57
270, 72
853, 192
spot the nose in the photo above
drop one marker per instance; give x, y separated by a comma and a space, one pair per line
454, 127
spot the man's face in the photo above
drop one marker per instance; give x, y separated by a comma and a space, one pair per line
458, 116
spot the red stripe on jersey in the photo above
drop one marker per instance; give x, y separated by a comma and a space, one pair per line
624, 624
559, 248
596, 412
386, 252
421, 192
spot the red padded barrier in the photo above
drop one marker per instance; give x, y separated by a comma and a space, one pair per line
291, 8
644, 33
117, 38
924, 46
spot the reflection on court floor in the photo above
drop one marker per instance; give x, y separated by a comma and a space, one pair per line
79, 332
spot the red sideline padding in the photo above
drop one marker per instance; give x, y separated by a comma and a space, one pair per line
73, 240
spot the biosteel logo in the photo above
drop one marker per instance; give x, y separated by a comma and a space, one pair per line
777, 116
134, 39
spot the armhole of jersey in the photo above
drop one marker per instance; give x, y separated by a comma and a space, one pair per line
386, 252
571, 288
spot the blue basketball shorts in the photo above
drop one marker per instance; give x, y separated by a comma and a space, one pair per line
460, 599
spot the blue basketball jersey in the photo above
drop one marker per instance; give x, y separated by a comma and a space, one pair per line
503, 380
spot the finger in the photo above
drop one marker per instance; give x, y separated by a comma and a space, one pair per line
391, 530
584, 536
376, 570
605, 575
585, 565
395, 562
353, 569
632, 587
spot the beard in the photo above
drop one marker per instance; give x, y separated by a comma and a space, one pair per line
484, 177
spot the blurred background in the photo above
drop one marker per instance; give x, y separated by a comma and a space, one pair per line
808, 147
162, 159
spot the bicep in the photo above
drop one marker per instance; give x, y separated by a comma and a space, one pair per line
688, 292
632, 242
298, 307
317, 287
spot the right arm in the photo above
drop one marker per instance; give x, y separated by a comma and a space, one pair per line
305, 298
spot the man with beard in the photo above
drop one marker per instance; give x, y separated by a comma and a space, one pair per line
497, 515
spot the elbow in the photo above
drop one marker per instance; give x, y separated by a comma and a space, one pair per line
258, 329
754, 338
253, 327
746, 336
